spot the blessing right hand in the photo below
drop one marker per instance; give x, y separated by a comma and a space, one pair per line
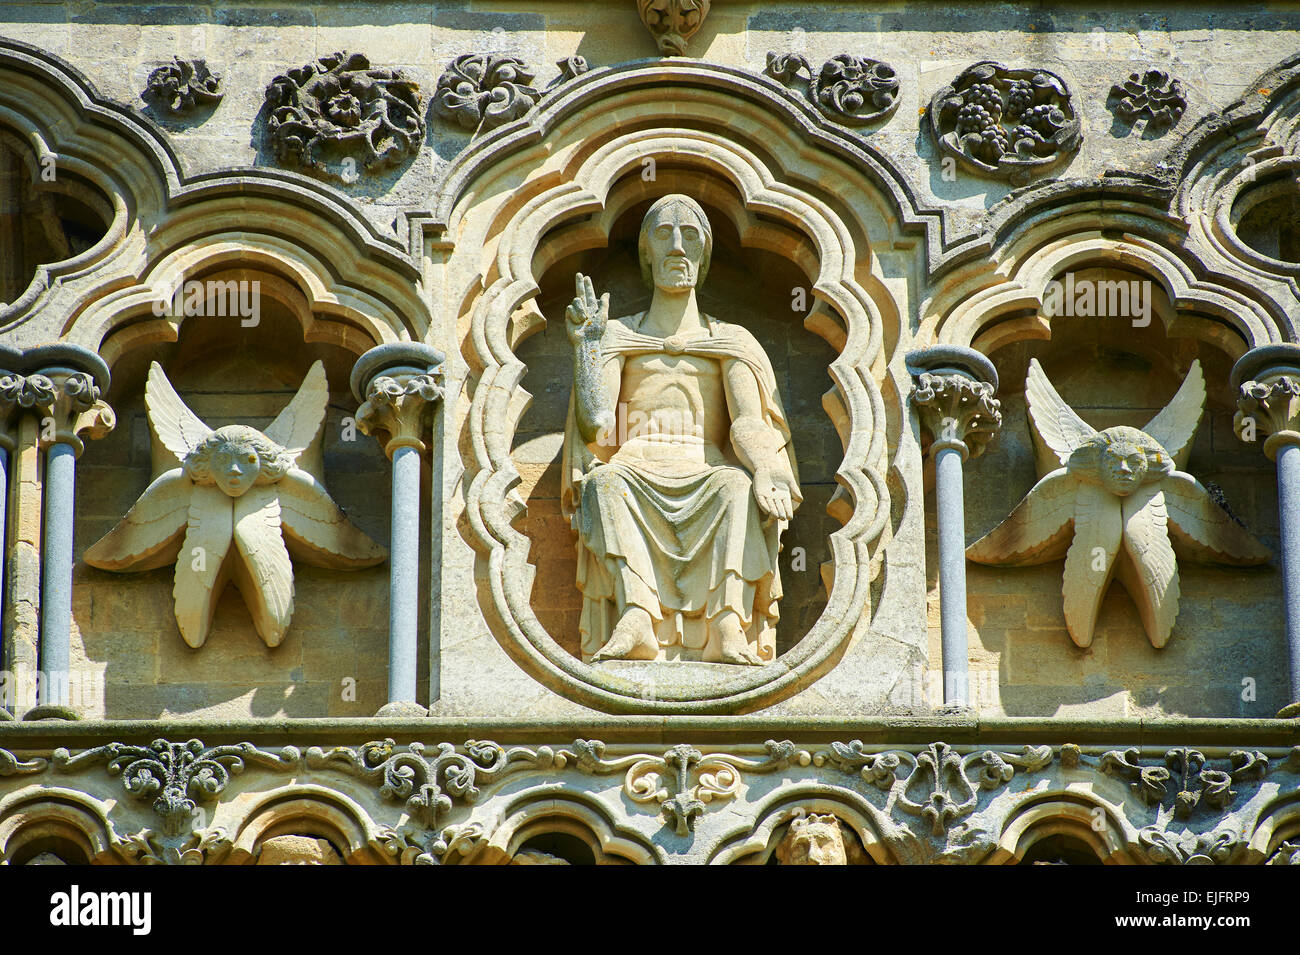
587, 316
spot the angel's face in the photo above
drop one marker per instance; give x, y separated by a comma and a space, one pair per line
1124, 460
234, 458
235, 467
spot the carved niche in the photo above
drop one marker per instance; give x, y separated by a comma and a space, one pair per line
235, 503
509, 534
1117, 503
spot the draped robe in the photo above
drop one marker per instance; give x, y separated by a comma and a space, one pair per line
668, 521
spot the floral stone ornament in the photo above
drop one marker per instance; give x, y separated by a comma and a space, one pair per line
234, 505
1005, 123
481, 91
338, 112
1152, 96
1117, 502
182, 86
853, 90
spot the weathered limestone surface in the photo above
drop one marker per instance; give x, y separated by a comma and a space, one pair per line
1098, 201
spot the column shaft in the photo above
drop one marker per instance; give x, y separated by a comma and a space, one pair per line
404, 576
56, 579
951, 516
1288, 500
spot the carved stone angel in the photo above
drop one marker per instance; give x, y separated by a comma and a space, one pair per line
236, 502
1116, 502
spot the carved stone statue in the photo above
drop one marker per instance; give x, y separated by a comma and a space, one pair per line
1117, 502
679, 473
818, 839
235, 503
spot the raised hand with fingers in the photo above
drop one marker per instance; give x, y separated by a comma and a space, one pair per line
587, 315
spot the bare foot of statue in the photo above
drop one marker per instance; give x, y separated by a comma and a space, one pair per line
734, 645
633, 638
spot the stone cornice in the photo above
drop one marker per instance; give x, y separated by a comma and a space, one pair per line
959, 731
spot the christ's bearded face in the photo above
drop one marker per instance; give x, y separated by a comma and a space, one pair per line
675, 242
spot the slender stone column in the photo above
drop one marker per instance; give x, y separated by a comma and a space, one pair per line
11, 384
68, 388
954, 397
400, 386
1267, 382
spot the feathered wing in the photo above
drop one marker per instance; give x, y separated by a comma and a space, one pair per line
1090, 562
1055, 423
150, 534
177, 427
264, 571
317, 530
302, 418
199, 580
1149, 570
1202, 530
1174, 428
1036, 531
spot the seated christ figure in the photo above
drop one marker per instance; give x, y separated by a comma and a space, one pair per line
678, 470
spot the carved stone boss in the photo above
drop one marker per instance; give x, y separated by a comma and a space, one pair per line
400, 386
954, 396
1267, 381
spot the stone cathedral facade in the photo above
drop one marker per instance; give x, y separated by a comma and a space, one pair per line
649, 432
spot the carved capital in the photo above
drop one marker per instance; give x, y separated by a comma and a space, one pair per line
398, 410
953, 393
70, 405
401, 385
959, 412
1267, 381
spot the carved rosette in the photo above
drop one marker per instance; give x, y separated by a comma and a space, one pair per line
1003, 122
673, 22
1152, 96
182, 86
69, 403
341, 107
958, 411
852, 90
481, 91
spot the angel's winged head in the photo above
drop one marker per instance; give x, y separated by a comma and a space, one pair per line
235, 458
1121, 460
